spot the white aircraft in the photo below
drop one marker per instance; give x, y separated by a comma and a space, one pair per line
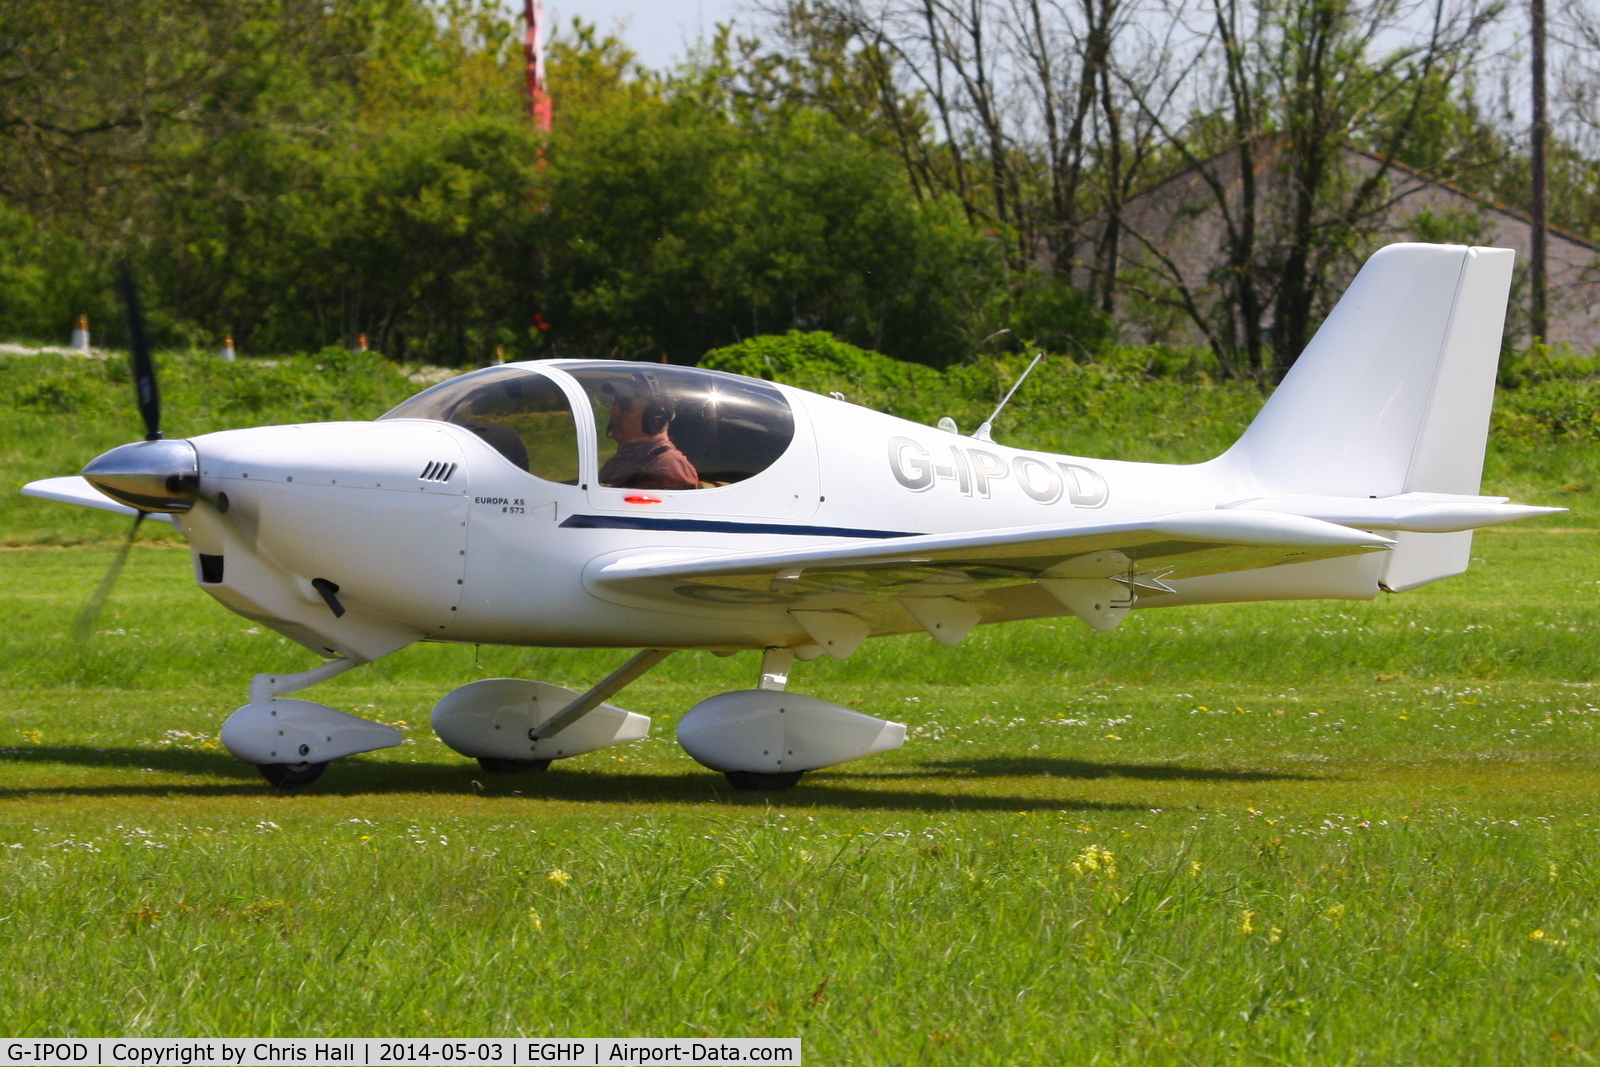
604, 504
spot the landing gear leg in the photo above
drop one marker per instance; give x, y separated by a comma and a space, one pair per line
776, 663
609, 687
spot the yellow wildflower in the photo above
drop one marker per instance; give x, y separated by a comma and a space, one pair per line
1245, 924
1095, 859
557, 877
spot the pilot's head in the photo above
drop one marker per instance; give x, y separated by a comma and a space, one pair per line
638, 410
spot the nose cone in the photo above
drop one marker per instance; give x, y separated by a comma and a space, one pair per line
148, 475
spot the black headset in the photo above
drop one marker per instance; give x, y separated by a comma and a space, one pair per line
658, 410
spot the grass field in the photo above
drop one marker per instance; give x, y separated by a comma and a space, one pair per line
1321, 833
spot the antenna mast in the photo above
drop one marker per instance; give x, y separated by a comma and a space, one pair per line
982, 433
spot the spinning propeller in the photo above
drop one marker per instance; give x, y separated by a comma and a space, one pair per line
150, 475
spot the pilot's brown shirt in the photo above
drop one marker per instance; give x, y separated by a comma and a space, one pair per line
651, 463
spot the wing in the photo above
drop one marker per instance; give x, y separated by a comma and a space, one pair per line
946, 583
76, 490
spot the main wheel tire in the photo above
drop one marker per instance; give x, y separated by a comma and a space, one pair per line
291, 775
763, 779
495, 765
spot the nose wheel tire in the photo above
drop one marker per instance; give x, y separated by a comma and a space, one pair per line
291, 775
512, 766
763, 779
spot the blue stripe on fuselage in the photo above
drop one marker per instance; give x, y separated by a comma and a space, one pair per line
646, 522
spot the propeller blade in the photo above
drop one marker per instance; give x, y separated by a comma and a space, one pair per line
84, 624
144, 371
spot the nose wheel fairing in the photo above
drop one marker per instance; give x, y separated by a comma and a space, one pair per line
285, 731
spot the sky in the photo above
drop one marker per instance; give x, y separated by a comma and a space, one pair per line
660, 31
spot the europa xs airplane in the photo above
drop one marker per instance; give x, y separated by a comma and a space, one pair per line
602, 504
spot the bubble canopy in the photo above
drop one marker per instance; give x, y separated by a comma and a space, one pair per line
726, 427
523, 415
656, 426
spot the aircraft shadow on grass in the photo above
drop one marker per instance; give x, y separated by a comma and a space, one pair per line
1051, 767
829, 789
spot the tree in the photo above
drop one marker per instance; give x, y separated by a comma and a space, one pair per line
1010, 106
1296, 82
682, 219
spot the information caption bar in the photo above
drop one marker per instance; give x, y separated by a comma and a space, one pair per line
385, 1052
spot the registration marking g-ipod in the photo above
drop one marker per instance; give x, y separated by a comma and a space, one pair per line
974, 470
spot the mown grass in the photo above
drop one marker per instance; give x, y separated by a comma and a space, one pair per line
1299, 833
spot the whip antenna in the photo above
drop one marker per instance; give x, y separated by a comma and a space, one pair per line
982, 433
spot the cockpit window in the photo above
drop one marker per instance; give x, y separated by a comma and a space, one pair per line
523, 415
665, 427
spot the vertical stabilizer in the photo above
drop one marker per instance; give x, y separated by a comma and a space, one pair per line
1393, 394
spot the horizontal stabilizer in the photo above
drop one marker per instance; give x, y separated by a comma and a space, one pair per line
77, 490
1412, 512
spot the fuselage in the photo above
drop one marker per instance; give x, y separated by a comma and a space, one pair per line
432, 528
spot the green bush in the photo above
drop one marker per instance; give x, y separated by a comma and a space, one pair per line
1120, 407
1548, 395
822, 363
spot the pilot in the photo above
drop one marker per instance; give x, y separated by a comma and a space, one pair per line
646, 458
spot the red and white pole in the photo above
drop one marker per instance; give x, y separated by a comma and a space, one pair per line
533, 54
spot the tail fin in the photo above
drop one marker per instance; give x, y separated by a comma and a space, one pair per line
1393, 394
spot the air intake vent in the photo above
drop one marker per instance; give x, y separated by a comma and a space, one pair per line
437, 472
